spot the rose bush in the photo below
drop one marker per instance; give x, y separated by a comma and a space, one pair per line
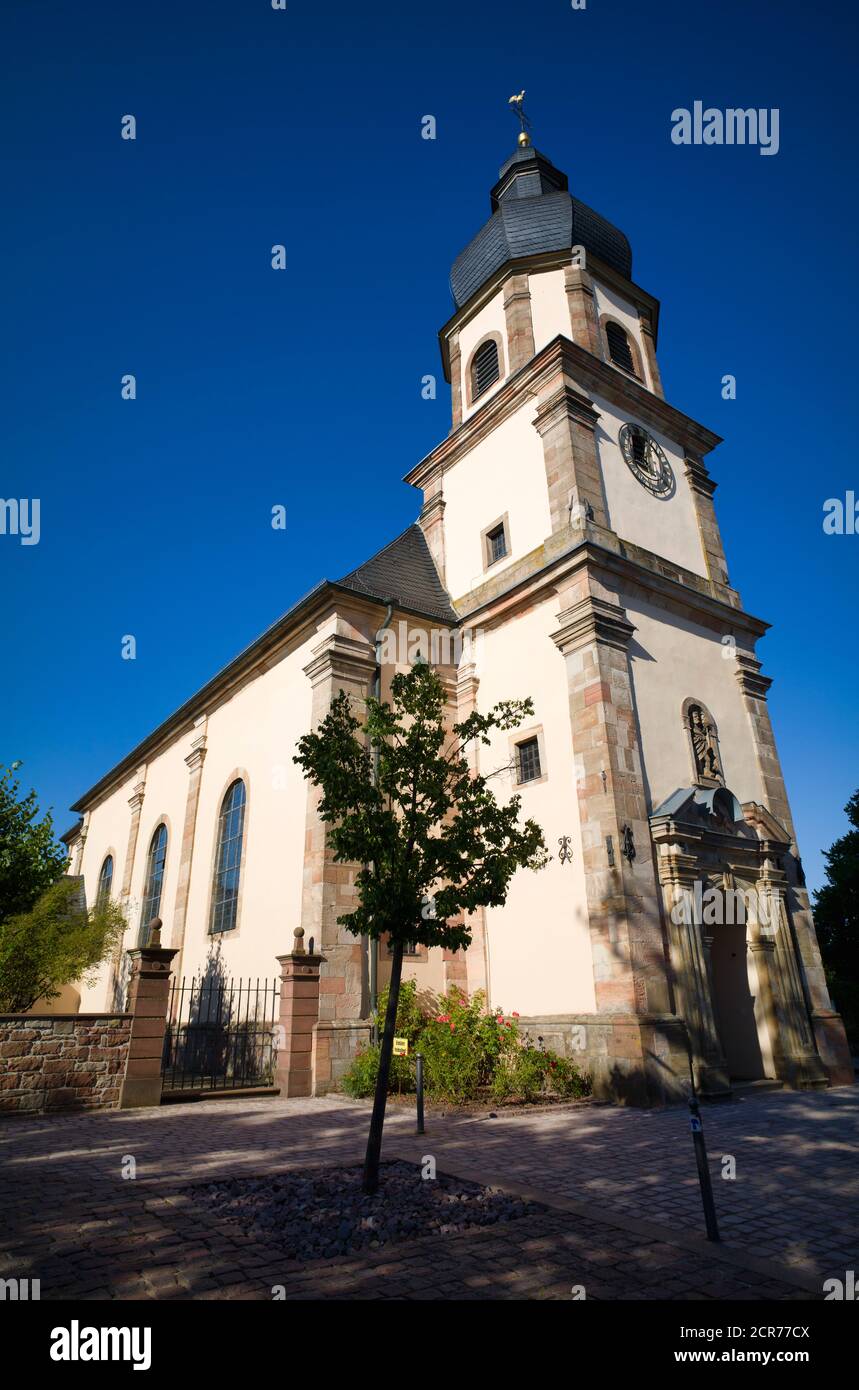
467, 1052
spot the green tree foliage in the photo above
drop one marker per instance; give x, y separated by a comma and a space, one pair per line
57, 941
836, 914
402, 801
31, 857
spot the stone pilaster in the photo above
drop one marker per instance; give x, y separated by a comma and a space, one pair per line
566, 422
702, 488
80, 844
431, 521
194, 763
520, 328
628, 951
135, 802
691, 969
649, 345
829, 1035
148, 1001
477, 955
299, 1015
780, 985
584, 320
341, 661
455, 381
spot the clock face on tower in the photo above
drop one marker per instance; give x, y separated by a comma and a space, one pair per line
646, 460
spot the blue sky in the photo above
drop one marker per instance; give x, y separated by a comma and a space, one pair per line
302, 388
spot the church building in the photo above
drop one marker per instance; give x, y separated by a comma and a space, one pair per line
566, 548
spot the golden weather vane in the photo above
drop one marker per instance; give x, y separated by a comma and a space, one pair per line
516, 103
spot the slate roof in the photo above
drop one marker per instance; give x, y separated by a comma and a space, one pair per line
533, 212
405, 572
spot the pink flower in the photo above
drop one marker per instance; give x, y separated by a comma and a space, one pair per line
515, 1015
453, 1028
443, 1018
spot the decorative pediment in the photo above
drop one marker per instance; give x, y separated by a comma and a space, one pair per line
703, 808
765, 823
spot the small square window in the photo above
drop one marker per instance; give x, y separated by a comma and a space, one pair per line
495, 541
528, 760
497, 544
410, 948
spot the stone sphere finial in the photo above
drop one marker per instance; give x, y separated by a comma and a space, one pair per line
298, 944
155, 932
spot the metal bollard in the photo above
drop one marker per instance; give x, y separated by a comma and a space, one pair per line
697, 1127
419, 1074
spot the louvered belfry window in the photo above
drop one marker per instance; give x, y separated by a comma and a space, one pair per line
618, 347
484, 368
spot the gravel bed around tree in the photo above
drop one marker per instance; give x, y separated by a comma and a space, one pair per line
324, 1213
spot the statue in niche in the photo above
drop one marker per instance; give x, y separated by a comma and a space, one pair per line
705, 746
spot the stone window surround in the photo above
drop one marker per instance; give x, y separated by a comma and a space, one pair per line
419, 953
238, 774
523, 736
486, 553
493, 337
638, 374
164, 820
110, 853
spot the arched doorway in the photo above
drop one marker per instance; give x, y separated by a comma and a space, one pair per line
736, 994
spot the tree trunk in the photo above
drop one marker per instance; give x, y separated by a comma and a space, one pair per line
380, 1100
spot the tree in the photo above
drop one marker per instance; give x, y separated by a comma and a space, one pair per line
31, 858
432, 842
57, 941
836, 914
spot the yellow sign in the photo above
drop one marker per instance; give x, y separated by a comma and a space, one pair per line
401, 1047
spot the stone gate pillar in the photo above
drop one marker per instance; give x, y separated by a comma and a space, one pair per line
148, 1001
299, 1014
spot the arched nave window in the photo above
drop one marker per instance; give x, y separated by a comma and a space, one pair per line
228, 859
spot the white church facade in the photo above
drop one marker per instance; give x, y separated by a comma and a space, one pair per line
566, 549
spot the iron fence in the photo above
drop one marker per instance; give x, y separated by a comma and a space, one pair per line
221, 1034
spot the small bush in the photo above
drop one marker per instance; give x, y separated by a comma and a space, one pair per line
360, 1079
532, 1074
411, 1019
466, 1051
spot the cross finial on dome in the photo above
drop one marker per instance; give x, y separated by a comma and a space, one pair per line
516, 103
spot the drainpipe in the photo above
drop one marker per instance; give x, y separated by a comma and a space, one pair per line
374, 942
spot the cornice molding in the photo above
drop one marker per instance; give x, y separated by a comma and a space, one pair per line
534, 265
565, 403
556, 562
593, 620
197, 756
749, 679
584, 371
698, 477
341, 657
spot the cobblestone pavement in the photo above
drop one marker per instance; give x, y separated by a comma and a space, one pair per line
625, 1219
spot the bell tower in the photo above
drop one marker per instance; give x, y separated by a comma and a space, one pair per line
570, 515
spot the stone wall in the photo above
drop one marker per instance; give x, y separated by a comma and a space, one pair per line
631, 1059
62, 1061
